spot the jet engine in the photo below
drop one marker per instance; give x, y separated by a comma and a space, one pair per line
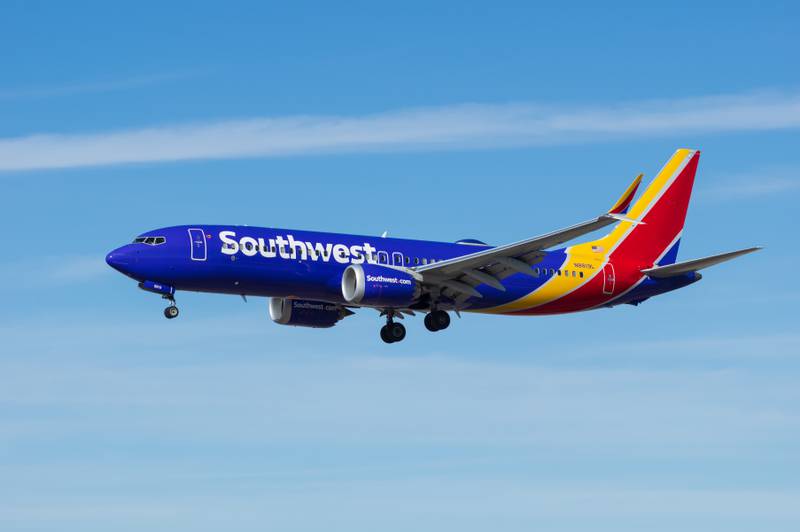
303, 313
378, 286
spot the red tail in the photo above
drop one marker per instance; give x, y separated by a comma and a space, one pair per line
661, 211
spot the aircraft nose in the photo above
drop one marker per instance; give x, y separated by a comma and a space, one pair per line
119, 259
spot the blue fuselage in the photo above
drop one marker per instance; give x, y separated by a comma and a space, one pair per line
300, 264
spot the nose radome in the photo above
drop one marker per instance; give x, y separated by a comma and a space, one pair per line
118, 259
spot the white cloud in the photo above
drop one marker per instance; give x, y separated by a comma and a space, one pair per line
472, 505
475, 126
78, 268
53, 270
766, 182
108, 85
184, 431
417, 400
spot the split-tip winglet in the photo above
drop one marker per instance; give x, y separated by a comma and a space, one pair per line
624, 202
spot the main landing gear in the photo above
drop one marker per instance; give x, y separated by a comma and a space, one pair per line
393, 332
437, 320
171, 312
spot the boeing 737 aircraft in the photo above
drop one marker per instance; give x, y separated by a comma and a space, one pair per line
317, 279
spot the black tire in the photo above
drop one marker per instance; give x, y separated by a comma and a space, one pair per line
397, 332
385, 334
171, 312
440, 319
429, 324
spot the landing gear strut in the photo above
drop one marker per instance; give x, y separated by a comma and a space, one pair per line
437, 320
171, 312
392, 332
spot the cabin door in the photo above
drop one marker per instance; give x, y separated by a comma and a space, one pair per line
609, 279
197, 241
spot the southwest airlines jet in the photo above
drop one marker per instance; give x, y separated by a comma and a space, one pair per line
317, 279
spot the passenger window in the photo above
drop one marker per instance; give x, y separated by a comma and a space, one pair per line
581, 275
424, 261
574, 273
536, 272
408, 260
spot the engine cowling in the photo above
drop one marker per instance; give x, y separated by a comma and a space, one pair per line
378, 286
304, 313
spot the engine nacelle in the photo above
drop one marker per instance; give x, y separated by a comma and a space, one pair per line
378, 286
303, 313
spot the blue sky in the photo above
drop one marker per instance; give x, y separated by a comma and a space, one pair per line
437, 121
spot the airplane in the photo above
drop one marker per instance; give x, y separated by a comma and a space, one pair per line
316, 279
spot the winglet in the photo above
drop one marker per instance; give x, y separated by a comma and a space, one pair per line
624, 202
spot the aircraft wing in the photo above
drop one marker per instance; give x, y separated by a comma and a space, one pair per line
461, 274
697, 264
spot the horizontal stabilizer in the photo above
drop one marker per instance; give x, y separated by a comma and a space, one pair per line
697, 264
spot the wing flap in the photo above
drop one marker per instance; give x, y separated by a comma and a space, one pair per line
454, 266
524, 251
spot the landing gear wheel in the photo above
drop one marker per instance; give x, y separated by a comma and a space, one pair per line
429, 323
385, 334
393, 332
397, 331
437, 320
171, 312
441, 319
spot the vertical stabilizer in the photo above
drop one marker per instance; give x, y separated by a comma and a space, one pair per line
662, 209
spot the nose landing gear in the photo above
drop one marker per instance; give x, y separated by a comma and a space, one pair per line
171, 312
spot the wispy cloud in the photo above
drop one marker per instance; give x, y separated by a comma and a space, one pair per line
452, 127
49, 271
190, 416
91, 87
453, 401
766, 182
78, 268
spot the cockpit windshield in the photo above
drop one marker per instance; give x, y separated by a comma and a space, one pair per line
150, 240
